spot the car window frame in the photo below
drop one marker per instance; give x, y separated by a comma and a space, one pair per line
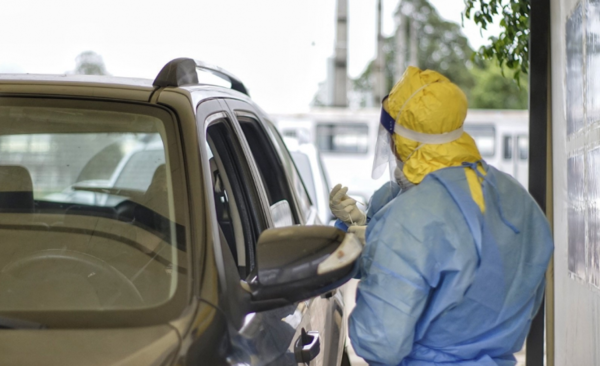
216, 112
236, 107
234, 175
289, 193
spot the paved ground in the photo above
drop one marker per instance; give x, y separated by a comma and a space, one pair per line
349, 296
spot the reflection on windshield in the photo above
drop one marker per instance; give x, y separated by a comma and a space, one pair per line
88, 213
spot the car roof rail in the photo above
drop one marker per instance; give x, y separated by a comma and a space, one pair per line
183, 71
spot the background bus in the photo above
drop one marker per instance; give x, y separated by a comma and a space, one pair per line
346, 140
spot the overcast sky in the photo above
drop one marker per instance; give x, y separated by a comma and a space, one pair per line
278, 48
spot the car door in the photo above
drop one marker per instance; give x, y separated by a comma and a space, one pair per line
242, 213
282, 182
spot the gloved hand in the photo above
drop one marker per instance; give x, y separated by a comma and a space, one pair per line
360, 232
344, 207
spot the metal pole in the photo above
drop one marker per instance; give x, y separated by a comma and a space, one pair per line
539, 55
412, 59
400, 46
340, 73
379, 84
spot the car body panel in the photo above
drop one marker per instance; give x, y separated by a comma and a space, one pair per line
128, 346
77, 86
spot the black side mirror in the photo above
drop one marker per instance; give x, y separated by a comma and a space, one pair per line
299, 262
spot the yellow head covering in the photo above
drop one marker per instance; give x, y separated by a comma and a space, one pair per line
427, 102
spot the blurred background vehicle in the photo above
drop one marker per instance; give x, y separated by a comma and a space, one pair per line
345, 139
316, 180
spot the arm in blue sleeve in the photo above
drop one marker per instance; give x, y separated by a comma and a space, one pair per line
342, 226
391, 295
387, 192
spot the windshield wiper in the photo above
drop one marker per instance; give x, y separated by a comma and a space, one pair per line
13, 323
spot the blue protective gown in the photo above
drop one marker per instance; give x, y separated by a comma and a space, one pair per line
444, 284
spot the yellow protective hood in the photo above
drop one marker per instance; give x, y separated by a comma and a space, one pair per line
428, 102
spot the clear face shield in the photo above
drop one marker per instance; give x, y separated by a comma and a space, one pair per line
384, 159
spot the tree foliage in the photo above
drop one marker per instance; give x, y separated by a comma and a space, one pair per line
442, 47
510, 48
492, 90
90, 63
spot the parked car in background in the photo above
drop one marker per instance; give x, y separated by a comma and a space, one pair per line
313, 173
159, 222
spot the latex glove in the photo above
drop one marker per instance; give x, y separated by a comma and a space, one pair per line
344, 207
360, 232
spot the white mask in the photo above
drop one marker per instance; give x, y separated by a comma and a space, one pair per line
401, 179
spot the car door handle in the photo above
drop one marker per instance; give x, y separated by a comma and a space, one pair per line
307, 346
329, 294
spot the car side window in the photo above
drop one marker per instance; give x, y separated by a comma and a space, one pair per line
271, 170
297, 184
238, 214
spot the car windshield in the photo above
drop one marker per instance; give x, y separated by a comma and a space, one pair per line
91, 210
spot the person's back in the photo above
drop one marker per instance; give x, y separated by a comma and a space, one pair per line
453, 267
475, 305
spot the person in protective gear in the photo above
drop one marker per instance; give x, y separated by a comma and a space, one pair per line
453, 266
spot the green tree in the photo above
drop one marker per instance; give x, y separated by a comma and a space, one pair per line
442, 47
510, 48
492, 90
